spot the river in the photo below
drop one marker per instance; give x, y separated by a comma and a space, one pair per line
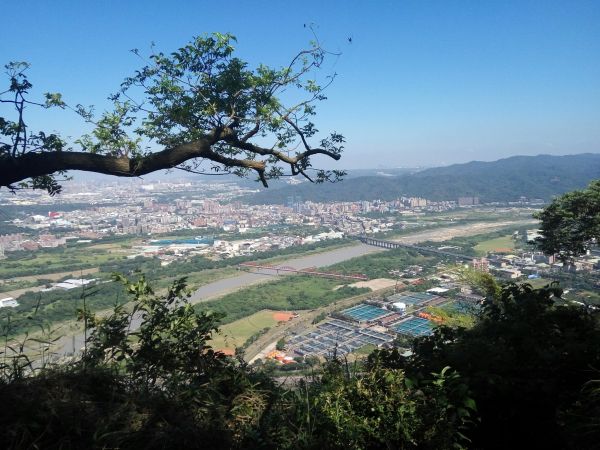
221, 287
326, 258
218, 288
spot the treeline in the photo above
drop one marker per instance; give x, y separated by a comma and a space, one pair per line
532, 368
165, 388
153, 270
379, 265
72, 257
467, 244
42, 311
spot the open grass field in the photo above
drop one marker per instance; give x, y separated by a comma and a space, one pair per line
588, 297
504, 244
292, 293
56, 276
117, 247
538, 283
57, 260
234, 334
365, 350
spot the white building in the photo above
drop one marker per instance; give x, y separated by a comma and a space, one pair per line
8, 302
400, 307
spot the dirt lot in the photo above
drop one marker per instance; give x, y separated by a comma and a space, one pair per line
374, 285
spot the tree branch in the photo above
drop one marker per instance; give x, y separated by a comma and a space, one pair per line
201, 104
14, 170
231, 138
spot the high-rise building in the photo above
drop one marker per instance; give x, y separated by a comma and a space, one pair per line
417, 202
468, 201
481, 264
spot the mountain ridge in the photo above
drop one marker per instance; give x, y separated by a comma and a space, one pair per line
507, 179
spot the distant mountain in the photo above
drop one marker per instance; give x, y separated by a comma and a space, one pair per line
542, 176
284, 182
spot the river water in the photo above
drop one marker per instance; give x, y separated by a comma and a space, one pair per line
219, 288
327, 258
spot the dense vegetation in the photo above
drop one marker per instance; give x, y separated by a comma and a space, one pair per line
73, 256
542, 177
527, 362
47, 309
163, 387
303, 292
379, 265
524, 367
570, 225
206, 109
523, 375
152, 267
468, 245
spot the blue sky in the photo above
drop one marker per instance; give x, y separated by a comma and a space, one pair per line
422, 83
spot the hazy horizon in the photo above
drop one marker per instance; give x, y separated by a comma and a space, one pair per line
161, 175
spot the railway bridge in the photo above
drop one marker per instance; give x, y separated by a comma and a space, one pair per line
393, 245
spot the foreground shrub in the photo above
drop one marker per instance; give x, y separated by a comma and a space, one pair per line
161, 386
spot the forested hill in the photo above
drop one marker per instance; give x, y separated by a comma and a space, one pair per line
542, 176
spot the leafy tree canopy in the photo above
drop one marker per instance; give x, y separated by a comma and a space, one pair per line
525, 361
571, 223
207, 111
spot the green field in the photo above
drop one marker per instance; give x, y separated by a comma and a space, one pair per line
236, 333
291, 293
55, 307
538, 283
379, 265
47, 261
584, 296
503, 244
365, 350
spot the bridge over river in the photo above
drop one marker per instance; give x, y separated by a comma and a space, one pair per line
394, 244
68, 344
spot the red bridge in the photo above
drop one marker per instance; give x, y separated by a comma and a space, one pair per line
310, 271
